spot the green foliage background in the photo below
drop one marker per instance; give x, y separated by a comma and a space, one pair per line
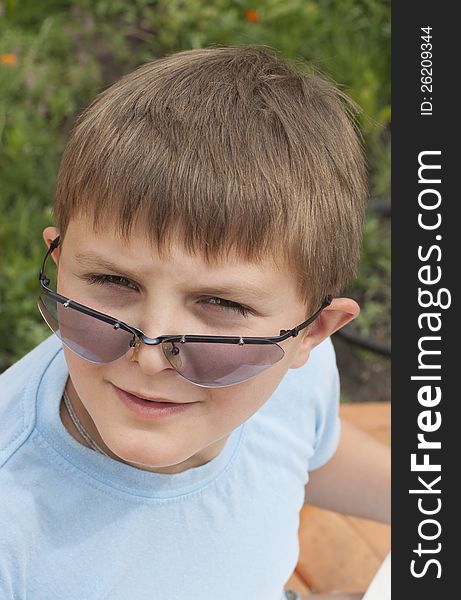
55, 55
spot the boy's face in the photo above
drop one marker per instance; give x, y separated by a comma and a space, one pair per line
176, 295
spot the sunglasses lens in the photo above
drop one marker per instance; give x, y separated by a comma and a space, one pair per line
206, 364
220, 365
88, 337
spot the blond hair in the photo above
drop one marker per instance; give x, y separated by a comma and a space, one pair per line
232, 148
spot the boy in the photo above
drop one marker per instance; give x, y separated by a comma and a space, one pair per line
210, 203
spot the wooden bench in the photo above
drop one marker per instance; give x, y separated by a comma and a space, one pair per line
337, 552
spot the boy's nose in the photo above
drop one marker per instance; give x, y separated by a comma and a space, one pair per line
151, 359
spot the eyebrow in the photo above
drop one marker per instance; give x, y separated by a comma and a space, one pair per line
91, 260
247, 291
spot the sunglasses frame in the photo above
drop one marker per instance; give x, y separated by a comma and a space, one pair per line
140, 335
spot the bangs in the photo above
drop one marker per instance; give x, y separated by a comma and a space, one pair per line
214, 197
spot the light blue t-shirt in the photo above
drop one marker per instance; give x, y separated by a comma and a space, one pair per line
75, 524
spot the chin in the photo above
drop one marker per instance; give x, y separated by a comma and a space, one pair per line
141, 458
166, 469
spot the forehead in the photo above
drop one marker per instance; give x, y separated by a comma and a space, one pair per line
268, 280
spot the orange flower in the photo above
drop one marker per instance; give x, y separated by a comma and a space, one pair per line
8, 59
251, 15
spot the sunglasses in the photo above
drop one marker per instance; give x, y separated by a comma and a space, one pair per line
207, 361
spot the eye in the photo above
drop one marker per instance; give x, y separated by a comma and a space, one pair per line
223, 304
108, 280
220, 304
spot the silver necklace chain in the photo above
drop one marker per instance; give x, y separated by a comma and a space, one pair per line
82, 431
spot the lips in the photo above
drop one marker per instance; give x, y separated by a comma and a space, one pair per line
150, 398
152, 408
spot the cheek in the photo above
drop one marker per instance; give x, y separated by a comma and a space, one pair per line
240, 402
86, 377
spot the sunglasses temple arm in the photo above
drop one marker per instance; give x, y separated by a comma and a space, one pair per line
294, 332
54, 244
311, 319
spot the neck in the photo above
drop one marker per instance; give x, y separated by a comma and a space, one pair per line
83, 419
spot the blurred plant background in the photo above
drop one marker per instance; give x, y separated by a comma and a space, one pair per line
55, 55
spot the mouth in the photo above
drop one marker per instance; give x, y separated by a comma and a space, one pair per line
155, 400
146, 407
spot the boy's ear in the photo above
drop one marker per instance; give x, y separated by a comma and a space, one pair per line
49, 234
340, 312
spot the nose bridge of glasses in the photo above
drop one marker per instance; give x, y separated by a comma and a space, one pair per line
152, 341
150, 361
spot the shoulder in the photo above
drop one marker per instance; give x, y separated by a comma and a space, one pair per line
18, 392
15, 542
314, 392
